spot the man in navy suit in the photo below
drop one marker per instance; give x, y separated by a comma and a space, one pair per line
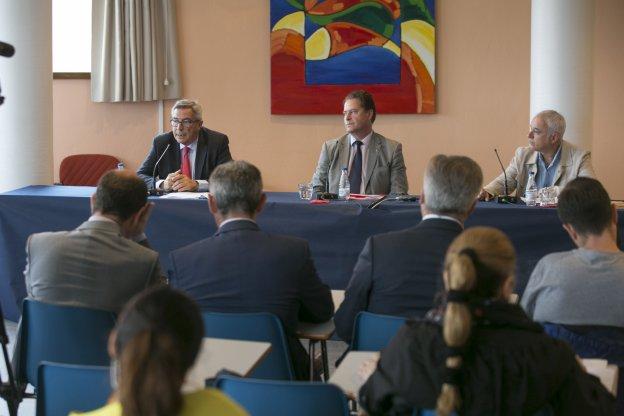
399, 273
243, 269
191, 152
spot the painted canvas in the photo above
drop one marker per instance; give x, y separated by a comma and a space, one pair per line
323, 49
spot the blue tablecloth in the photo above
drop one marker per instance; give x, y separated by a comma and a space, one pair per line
336, 231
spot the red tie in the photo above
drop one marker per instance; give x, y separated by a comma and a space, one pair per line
186, 163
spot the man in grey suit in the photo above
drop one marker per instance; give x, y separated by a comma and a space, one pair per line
106, 260
374, 163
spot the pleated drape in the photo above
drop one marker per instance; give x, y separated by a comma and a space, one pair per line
134, 51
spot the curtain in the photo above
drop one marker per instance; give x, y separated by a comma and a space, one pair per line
134, 51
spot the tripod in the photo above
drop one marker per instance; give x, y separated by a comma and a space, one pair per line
8, 391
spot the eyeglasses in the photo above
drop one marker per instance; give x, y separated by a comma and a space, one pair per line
187, 122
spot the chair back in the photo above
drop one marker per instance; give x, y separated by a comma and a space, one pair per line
261, 326
372, 332
66, 387
61, 334
273, 397
86, 169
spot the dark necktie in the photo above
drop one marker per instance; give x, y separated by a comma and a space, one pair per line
355, 176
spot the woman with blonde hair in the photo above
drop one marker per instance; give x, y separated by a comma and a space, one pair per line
479, 354
153, 345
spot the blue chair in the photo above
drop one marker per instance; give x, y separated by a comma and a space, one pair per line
66, 387
372, 332
61, 334
261, 326
271, 397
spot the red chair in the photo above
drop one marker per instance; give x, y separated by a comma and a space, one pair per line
85, 170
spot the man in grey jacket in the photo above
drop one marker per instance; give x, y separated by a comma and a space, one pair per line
106, 260
553, 160
374, 163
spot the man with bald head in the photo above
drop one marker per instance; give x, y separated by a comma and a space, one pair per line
106, 260
553, 160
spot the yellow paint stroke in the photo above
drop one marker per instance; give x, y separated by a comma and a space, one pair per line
318, 45
392, 47
420, 37
294, 21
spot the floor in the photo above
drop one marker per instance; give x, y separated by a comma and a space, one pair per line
27, 407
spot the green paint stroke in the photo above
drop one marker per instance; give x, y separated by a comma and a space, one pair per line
298, 4
372, 16
416, 10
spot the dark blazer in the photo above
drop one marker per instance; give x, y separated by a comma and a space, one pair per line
212, 150
397, 273
242, 269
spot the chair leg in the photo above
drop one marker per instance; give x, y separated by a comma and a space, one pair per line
325, 361
311, 353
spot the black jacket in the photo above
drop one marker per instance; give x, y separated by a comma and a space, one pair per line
510, 368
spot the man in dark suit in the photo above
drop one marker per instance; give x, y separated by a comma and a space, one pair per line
399, 273
191, 152
242, 269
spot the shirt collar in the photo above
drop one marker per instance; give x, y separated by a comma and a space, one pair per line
442, 217
366, 140
555, 159
98, 217
191, 146
235, 219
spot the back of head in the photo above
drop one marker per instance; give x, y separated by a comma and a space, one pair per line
554, 121
366, 101
585, 205
236, 187
477, 265
158, 337
451, 184
120, 193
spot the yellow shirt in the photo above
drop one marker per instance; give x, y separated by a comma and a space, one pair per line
202, 402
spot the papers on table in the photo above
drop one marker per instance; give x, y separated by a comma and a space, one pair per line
607, 373
347, 376
358, 197
185, 195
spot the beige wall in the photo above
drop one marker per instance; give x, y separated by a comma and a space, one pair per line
483, 94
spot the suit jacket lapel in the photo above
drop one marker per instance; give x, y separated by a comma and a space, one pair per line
371, 160
343, 153
201, 154
175, 156
564, 161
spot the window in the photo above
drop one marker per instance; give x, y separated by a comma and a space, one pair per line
71, 38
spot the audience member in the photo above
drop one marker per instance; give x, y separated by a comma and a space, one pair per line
582, 286
242, 269
193, 152
398, 273
480, 354
106, 260
553, 160
154, 344
375, 163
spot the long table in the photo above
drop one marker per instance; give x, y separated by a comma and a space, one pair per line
336, 231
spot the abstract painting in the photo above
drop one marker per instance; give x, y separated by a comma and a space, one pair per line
323, 49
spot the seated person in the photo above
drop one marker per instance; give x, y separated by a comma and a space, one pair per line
480, 354
375, 163
398, 273
189, 152
582, 286
243, 269
553, 160
106, 260
153, 345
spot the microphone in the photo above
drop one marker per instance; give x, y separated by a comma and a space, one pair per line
154, 191
6, 50
506, 199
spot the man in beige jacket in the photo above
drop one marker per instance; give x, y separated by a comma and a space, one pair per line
553, 160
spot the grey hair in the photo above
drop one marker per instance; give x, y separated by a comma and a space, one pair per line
236, 186
451, 184
195, 106
554, 121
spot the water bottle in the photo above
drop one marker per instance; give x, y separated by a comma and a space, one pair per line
121, 166
530, 194
344, 188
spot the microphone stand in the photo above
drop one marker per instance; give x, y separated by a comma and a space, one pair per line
154, 191
8, 391
504, 199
